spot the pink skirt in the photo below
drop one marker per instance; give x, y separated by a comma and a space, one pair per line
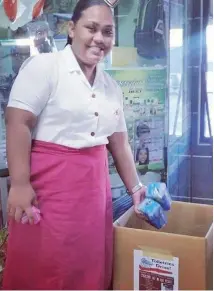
71, 248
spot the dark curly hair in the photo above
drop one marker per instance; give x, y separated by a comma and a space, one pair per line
142, 128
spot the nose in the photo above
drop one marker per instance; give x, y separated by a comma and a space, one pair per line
98, 37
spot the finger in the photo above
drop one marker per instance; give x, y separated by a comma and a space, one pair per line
35, 202
136, 207
30, 215
138, 197
140, 214
11, 211
18, 214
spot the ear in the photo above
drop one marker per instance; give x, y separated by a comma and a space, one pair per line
71, 27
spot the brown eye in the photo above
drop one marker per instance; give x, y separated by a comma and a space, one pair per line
108, 32
91, 29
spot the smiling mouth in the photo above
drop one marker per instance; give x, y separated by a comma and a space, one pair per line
97, 50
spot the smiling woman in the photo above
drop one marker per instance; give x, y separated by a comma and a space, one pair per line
91, 34
63, 112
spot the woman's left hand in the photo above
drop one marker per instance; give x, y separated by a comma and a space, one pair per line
137, 198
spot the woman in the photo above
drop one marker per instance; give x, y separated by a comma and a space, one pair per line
142, 156
70, 110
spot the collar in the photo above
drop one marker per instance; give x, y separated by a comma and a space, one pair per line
70, 59
73, 66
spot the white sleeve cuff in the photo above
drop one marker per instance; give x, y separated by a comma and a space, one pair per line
20, 105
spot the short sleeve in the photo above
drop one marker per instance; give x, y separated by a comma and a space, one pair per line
121, 126
32, 86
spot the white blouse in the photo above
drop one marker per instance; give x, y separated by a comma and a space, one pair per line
70, 111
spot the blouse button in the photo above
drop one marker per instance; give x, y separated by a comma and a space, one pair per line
93, 95
96, 114
92, 133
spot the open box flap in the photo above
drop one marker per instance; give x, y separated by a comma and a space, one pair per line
184, 219
209, 242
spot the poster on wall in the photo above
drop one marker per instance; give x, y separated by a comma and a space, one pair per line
144, 93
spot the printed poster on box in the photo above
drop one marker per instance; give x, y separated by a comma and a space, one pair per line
151, 272
144, 92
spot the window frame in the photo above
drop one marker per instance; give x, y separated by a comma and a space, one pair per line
204, 102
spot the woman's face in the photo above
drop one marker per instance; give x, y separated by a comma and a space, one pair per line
92, 35
142, 156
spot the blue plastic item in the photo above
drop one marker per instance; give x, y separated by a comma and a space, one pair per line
153, 211
158, 192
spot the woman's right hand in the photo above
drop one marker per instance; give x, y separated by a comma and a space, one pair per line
20, 200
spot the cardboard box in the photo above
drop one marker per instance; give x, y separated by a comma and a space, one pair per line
187, 238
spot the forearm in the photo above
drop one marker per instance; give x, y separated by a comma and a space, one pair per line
125, 165
18, 153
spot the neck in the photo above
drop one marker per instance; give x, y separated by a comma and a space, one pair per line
89, 72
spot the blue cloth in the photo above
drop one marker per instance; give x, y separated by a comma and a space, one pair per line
121, 205
158, 192
154, 213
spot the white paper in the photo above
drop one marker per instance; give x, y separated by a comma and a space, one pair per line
151, 273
